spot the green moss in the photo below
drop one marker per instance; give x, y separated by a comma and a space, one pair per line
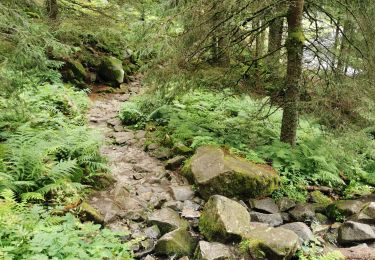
186, 171
297, 36
90, 213
178, 242
320, 198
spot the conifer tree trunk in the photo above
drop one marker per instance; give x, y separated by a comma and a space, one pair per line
294, 47
275, 35
52, 9
220, 46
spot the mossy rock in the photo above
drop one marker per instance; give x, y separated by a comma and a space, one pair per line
344, 208
215, 172
224, 220
319, 197
73, 71
111, 70
89, 213
271, 243
177, 243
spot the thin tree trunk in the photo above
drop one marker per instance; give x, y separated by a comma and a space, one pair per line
52, 9
275, 37
344, 47
220, 46
294, 47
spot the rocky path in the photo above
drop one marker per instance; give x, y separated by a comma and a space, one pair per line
142, 184
159, 210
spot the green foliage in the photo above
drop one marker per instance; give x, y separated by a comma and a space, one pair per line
33, 233
251, 129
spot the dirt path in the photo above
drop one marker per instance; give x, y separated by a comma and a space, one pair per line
143, 185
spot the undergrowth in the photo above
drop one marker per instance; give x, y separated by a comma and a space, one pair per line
32, 232
251, 129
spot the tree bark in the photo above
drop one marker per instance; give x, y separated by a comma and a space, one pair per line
275, 36
294, 47
220, 46
52, 9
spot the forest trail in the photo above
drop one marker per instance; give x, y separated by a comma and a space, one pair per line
142, 183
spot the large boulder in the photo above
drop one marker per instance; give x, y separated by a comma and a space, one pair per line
167, 220
271, 243
223, 220
352, 232
179, 242
111, 70
215, 172
213, 251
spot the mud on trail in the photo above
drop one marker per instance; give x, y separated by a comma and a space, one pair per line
142, 185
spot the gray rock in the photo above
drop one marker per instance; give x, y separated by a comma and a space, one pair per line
182, 193
344, 207
178, 242
175, 162
352, 232
175, 205
286, 217
301, 229
167, 220
271, 219
213, 251
223, 219
123, 137
369, 210
266, 205
271, 243
152, 232
215, 172
302, 213
285, 204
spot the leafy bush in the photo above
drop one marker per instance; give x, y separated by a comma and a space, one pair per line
251, 129
33, 233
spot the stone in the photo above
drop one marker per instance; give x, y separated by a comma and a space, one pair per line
358, 252
286, 217
152, 232
369, 210
149, 257
353, 232
73, 70
180, 148
301, 229
179, 242
182, 193
213, 251
321, 218
167, 220
285, 204
175, 162
215, 172
111, 70
271, 243
123, 137
175, 205
266, 205
89, 213
271, 219
302, 213
223, 219
344, 208
190, 213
